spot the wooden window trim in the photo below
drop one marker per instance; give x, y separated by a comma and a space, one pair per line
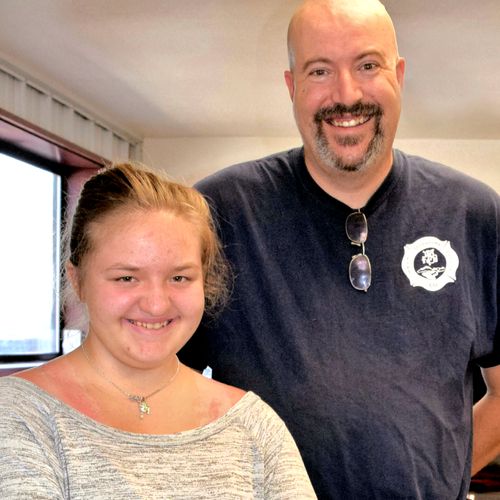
22, 139
30, 138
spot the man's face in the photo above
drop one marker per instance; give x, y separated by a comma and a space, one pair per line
346, 89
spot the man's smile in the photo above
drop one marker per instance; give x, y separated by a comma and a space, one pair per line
348, 122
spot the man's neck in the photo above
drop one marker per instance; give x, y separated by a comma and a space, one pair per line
351, 188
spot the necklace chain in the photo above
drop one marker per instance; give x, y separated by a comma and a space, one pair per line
144, 408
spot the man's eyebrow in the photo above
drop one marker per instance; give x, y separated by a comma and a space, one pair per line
371, 53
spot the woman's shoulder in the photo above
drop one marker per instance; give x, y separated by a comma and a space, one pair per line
23, 401
214, 398
18, 383
11, 384
245, 408
58, 378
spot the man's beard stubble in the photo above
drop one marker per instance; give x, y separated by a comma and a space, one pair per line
328, 156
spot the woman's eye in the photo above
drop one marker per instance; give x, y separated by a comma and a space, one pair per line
125, 279
179, 279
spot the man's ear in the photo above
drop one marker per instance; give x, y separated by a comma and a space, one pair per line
290, 83
400, 71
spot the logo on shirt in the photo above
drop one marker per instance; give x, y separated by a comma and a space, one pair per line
430, 263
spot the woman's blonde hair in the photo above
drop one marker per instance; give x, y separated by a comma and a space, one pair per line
127, 186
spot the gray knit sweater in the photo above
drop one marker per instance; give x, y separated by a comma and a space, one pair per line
48, 450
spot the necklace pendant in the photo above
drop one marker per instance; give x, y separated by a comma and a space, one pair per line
144, 408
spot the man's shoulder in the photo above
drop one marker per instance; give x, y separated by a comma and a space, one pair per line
251, 174
435, 175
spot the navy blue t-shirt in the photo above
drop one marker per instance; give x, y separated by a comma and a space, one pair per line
375, 387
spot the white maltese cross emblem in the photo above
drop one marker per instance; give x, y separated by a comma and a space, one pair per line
430, 263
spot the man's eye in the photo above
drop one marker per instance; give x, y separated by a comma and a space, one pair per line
369, 66
318, 72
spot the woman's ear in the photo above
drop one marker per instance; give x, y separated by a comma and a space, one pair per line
73, 274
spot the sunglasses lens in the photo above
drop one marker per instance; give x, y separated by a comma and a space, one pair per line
356, 227
360, 272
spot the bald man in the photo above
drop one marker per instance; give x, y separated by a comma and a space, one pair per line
366, 279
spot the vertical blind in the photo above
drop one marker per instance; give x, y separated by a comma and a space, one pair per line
40, 105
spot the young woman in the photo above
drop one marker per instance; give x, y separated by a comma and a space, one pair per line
121, 417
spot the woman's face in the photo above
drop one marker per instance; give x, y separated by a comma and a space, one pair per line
142, 284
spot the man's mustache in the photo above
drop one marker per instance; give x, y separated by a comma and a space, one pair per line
337, 110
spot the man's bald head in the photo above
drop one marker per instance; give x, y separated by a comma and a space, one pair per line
355, 11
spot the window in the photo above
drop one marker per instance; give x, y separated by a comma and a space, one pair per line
30, 204
41, 174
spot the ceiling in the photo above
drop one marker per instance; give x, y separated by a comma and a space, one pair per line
170, 68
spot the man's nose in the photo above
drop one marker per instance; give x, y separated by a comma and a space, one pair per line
346, 89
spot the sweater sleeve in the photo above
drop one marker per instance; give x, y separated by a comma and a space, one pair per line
286, 477
29, 466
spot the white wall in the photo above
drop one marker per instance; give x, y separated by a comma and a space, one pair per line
190, 159
478, 158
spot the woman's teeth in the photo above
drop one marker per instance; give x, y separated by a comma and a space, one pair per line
151, 326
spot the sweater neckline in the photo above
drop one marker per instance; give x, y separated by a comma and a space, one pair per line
198, 433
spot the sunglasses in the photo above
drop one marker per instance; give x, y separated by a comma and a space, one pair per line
360, 269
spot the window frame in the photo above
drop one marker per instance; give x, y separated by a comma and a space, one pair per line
31, 143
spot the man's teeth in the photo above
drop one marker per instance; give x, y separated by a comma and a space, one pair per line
151, 326
353, 122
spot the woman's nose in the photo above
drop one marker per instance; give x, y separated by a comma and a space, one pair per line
155, 299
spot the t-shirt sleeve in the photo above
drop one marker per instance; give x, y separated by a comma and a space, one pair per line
492, 307
29, 467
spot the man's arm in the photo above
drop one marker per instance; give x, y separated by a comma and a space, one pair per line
486, 439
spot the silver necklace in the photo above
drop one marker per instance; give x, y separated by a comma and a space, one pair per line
144, 408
